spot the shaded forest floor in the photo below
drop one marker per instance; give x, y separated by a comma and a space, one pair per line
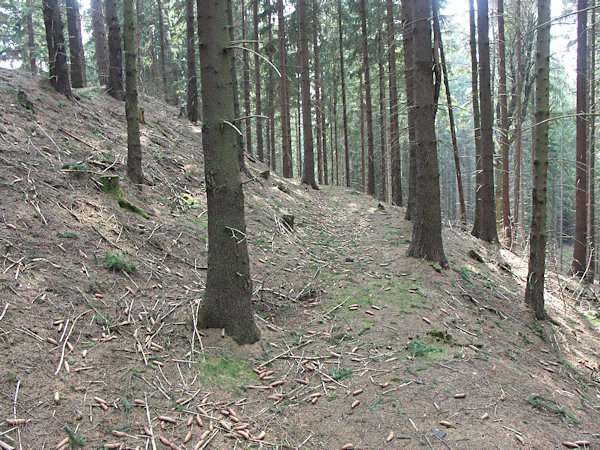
360, 345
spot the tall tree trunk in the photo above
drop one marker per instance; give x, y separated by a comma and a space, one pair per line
228, 295
246, 87
299, 127
78, 78
57, 52
592, 153
236, 96
257, 87
579, 264
138, 39
476, 119
396, 160
427, 219
286, 135
368, 102
534, 293
115, 54
192, 81
488, 230
503, 125
163, 49
407, 38
318, 111
382, 123
308, 172
270, 104
438, 37
344, 105
518, 120
134, 148
361, 88
30, 38
100, 41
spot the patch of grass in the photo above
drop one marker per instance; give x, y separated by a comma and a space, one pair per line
341, 373
115, 261
226, 371
67, 235
418, 348
75, 440
550, 405
439, 335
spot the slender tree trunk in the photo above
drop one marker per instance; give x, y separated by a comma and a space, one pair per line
30, 37
257, 87
308, 172
438, 37
192, 82
488, 230
246, 82
362, 132
407, 38
270, 105
299, 127
57, 52
344, 105
318, 111
115, 54
134, 148
236, 97
503, 125
138, 39
286, 135
592, 153
579, 264
396, 160
100, 41
518, 119
78, 78
534, 293
427, 219
382, 123
228, 295
163, 49
368, 102
476, 120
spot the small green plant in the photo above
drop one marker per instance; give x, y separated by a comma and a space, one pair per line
439, 335
75, 440
541, 402
118, 262
418, 348
341, 373
67, 235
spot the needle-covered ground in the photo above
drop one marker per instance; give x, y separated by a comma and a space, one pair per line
361, 346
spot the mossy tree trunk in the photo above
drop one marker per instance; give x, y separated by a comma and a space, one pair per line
57, 51
78, 78
115, 54
134, 148
426, 213
534, 293
228, 294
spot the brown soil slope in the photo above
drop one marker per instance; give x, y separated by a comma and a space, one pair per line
360, 345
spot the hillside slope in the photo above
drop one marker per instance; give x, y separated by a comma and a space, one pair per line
360, 345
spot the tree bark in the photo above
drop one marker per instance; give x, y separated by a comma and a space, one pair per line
308, 172
427, 219
30, 38
518, 120
396, 160
134, 148
344, 104
318, 111
504, 126
286, 135
363, 158
246, 83
476, 119
578, 267
228, 295
534, 293
257, 87
115, 55
407, 38
592, 153
368, 102
488, 230
100, 41
78, 78
382, 123
271, 104
163, 49
438, 37
192, 80
57, 51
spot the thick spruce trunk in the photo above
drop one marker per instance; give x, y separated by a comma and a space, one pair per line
134, 148
78, 78
192, 77
57, 51
115, 54
100, 40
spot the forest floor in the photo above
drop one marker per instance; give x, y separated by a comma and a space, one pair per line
360, 345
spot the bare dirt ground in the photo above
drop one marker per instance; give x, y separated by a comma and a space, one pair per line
360, 346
